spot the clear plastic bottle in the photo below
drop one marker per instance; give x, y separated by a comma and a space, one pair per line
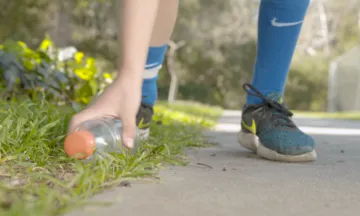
100, 135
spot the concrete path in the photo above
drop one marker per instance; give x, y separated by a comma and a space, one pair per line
227, 180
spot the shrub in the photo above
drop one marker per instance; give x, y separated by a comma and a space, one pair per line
306, 88
61, 75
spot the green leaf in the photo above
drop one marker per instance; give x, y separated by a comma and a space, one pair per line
44, 56
12, 47
86, 90
94, 86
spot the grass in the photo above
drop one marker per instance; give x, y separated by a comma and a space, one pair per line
195, 108
37, 178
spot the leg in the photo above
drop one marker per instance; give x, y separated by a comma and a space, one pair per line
162, 31
279, 26
267, 127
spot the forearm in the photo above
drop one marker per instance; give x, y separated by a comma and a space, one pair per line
165, 22
137, 19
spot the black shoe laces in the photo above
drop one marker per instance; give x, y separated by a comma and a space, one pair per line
272, 109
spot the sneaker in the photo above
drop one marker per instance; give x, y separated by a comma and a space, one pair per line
143, 120
268, 130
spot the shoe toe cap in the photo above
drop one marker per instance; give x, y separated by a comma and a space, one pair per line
288, 142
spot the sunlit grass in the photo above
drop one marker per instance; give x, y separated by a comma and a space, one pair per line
193, 108
334, 115
37, 178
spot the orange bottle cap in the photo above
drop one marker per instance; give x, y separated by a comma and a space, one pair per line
80, 144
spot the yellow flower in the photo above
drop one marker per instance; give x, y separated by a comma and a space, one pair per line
45, 44
79, 57
107, 76
84, 73
90, 62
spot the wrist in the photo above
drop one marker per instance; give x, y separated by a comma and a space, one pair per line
130, 78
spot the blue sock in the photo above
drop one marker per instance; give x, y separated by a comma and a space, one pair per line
155, 59
279, 27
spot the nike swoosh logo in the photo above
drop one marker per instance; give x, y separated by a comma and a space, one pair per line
251, 128
142, 125
281, 24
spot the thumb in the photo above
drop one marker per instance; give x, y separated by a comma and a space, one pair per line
128, 133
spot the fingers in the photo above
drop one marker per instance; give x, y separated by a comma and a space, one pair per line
81, 117
128, 132
74, 122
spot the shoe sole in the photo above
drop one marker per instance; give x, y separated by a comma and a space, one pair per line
252, 143
144, 133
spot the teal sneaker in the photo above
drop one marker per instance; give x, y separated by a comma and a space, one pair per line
268, 130
144, 119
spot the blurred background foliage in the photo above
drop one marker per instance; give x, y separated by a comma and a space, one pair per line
216, 55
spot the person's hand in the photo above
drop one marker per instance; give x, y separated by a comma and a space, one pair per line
120, 100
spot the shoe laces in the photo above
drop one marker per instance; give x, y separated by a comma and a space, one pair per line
272, 109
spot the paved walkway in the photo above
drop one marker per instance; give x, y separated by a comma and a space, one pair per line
227, 180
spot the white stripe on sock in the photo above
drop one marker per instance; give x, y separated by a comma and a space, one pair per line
151, 73
151, 65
